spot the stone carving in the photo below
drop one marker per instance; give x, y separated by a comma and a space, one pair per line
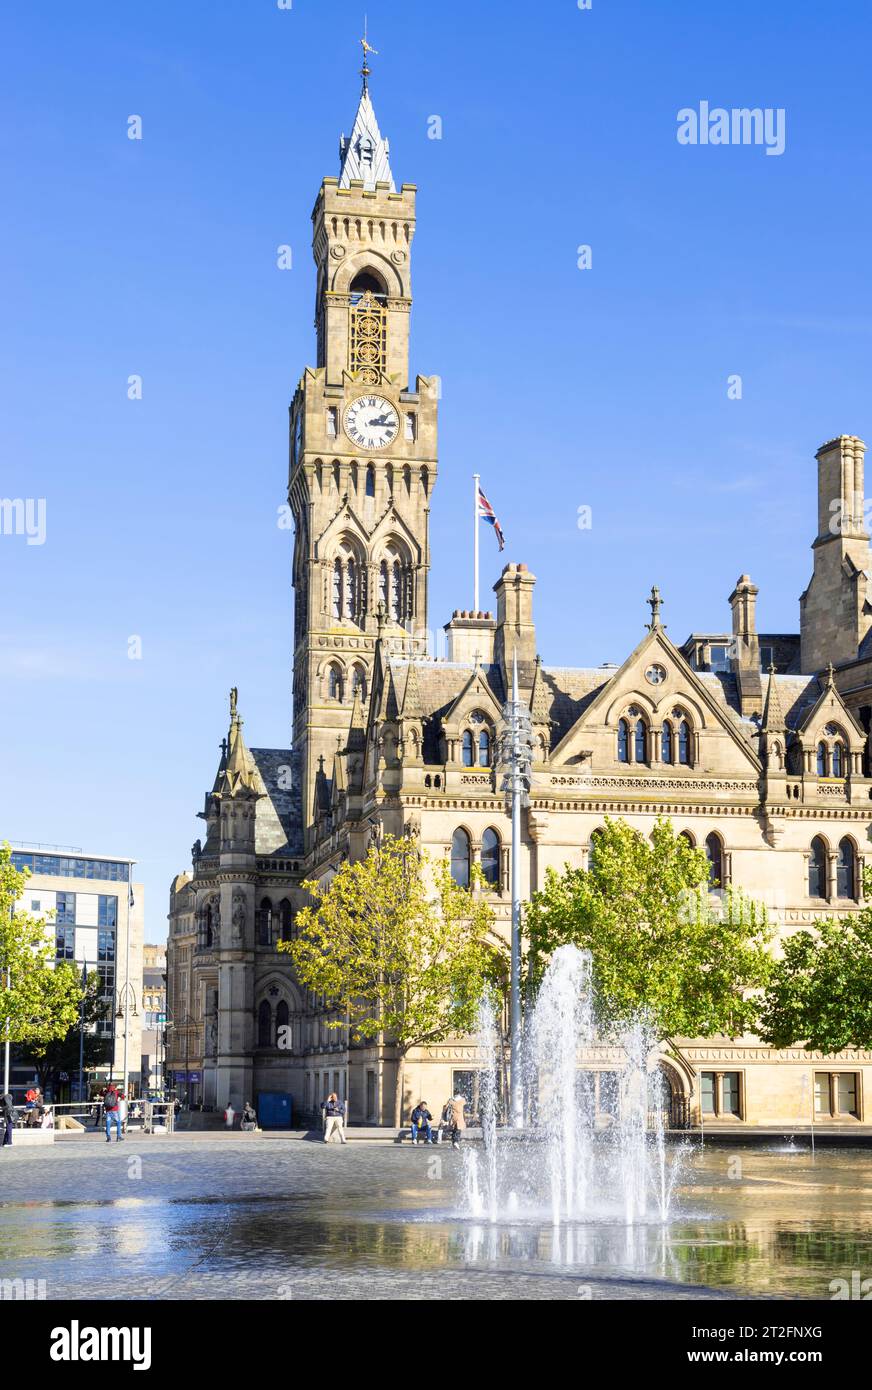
238, 918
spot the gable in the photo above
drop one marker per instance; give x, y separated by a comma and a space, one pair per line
656, 683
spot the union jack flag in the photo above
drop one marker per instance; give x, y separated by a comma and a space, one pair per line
487, 513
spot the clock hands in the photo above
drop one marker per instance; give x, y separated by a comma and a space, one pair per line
379, 420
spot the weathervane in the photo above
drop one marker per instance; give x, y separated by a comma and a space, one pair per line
367, 48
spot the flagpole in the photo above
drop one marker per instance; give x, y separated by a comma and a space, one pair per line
475, 482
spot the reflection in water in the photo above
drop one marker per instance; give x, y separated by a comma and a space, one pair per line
785, 1225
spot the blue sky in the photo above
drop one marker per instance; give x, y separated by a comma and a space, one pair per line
564, 388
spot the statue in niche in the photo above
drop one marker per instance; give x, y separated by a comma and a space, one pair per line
238, 918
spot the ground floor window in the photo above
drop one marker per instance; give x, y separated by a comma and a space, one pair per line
836, 1093
721, 1093
598, 1093
469, 1085
371, 1096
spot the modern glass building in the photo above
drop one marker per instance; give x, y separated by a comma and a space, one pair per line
94, 914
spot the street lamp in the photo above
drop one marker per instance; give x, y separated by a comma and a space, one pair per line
186, 1022
124, 997
516, 757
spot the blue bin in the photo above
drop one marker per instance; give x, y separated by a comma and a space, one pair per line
274, 1109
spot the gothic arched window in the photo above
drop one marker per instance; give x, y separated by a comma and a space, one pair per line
490, 857
640, 742
460, 858
822, 760
358, 683
595, 837
337, 588
286, 918
845, 874
623, 741
334, 683
684, 743
484, 749
714, 853
263, 922
838, 761
264, 1025
396, 603
282, 1020
370, 481
817, 869
666, 742
350, 596
468, 749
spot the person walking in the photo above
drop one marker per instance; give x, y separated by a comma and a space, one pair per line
112, 1111
122, 1111
421, 1118
456, 1119
229, 1115
334, 1117
7, 1118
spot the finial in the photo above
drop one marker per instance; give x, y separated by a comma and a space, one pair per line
320, 762
234, 696
476, 659
380, 617
367, 48
655, 603
225, 748
831, 676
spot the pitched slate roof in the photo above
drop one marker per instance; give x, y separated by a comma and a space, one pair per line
278, 824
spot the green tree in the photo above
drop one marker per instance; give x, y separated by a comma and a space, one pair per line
51, 1058
658, 940
820, 992
397, 948
40, 1002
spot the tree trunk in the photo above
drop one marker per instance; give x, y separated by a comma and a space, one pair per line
398, 1092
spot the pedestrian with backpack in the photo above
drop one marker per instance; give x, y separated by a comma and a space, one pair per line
112, 1111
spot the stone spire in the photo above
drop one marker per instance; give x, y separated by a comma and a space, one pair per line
364, 154
412, 706
239, 774
540, 704
773, 714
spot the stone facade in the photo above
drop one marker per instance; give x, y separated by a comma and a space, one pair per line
769, 768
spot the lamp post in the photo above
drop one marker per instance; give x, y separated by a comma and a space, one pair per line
516, 756
186, 1022
123, 999
8, 991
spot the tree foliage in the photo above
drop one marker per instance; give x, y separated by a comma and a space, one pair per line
396, 947
820, 992
659, 940
41, 1001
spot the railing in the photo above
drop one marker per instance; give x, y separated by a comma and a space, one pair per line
141, 1114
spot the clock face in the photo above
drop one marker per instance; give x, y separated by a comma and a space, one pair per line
371, 422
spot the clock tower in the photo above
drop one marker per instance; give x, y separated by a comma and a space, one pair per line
363, 453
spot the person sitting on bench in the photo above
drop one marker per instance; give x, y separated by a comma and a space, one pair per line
421, 1118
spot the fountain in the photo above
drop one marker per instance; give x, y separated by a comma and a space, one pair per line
570, 1164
